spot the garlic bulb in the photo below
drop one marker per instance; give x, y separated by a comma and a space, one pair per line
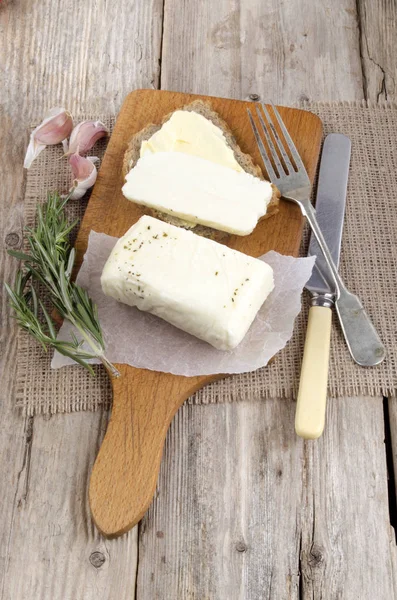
84, 136
56, 126
84, 174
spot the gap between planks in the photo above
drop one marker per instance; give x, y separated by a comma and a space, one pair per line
111, 48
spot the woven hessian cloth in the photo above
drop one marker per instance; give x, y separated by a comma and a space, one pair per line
368, 266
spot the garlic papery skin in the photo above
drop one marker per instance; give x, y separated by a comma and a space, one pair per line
56, 126
84, 136
84, 174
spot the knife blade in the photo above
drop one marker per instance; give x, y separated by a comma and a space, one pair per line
330, 211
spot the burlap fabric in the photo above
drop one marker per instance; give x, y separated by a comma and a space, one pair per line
368, 265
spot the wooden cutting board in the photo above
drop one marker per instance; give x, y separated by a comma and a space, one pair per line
125, 473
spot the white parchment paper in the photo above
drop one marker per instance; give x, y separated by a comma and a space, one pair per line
142, 340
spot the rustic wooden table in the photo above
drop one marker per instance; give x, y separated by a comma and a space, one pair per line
244, 509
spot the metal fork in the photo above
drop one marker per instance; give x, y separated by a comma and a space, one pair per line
294, 184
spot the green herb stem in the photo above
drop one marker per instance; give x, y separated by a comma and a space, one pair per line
50, 263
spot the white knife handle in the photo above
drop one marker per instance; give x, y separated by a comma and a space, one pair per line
312, 395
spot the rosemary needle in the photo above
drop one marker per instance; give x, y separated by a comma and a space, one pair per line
50, 263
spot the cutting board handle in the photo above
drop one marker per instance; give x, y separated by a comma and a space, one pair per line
124, 476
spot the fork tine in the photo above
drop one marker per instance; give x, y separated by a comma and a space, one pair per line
279, 143
294, 152
269, 140
269, 167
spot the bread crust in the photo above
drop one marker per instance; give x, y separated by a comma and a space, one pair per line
132, 154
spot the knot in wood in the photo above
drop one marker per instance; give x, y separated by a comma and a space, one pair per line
254, 97
241, 547
12, 239
316, 556
97, 559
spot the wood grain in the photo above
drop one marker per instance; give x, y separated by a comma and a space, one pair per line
270, 516
282, 51
229, 475
348, 545
124, 476
378, 27
331, 48
56, 53
52, 532
87, 56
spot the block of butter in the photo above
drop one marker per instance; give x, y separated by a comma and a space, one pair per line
198, 190
189, 132
196, 284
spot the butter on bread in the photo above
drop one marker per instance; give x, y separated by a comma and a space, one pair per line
132, 155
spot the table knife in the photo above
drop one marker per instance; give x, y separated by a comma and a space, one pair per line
330, 210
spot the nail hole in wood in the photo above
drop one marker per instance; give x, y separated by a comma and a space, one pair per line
303, 98
241, 547
12, 240
97, 559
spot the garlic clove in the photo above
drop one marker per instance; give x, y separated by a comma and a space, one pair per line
32, 152
56, 126
84, 174
85, 135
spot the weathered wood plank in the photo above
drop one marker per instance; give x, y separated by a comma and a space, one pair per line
82, 56
392, 416
378, 27
226, 520
286, 51
378, 32
53, 540
192, 538
348, 545
246, 510
85, 55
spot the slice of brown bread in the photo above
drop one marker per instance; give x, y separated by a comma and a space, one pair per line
132, 154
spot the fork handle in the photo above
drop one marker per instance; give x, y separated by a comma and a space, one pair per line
360, 334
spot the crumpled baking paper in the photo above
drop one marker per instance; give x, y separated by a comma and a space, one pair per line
145, 341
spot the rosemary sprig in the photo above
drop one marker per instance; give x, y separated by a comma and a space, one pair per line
50, 262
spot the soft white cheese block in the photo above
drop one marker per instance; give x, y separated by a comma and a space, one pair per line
188, 132
198, 190
194, 283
